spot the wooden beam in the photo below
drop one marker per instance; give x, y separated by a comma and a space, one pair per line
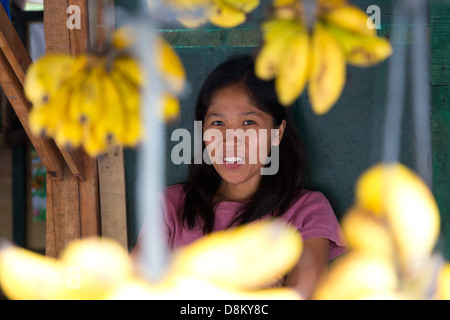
47, 149
59, 38
111, 173
74, 203
13, 48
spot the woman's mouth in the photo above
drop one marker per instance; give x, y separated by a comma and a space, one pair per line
233, 162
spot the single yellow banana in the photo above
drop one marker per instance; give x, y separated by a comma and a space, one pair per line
365, 232
113, 108
293, 68
171, 107
245, 257
225, 15
396, 193
134, 129
130, 93
357, 274
26, 275
98, 266
171, 66
89, 93
46, 75
277, 35
123, 37
350, 18
44, 119
361, 50
49, 117
129, 67
327, 77
94, 139
69, 134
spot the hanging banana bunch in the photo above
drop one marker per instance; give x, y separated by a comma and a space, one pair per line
222, 13
94, 100
300, 50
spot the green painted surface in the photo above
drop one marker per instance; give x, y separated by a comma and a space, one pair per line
440, 95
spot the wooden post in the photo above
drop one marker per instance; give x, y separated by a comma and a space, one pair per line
73, 203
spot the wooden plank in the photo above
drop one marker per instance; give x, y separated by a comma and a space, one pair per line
12, 47
58, 38
57, 35
79, 38
111, 166
48, 151
77, 199
63, 223
111, 172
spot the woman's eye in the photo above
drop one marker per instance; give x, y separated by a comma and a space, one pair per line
217, 123
249, 122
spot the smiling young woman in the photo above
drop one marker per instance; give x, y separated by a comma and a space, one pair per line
231, 190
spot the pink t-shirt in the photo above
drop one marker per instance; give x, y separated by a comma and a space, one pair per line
311, 214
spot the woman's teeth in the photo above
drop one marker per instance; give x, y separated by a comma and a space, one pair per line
233, 159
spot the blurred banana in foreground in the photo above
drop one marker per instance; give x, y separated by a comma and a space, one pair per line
88, 269
98, 265
25, 275
365, 232
238, 257
443, 283
233, 264
397, 194
356, 275
391, 230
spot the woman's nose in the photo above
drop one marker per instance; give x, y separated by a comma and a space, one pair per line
234, 138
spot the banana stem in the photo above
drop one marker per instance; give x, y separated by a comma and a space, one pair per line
310, 13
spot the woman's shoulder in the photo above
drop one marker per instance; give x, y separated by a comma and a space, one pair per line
174, 193
308, 197
309, 205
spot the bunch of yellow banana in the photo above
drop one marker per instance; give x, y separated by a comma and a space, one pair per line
391, 230
222, 13
234, 264
94, 101
295, 53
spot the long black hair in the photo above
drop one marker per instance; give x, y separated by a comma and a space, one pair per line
275, 192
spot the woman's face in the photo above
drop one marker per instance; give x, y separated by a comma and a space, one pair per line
238, 137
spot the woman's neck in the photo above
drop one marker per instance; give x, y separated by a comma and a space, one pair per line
236, 192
